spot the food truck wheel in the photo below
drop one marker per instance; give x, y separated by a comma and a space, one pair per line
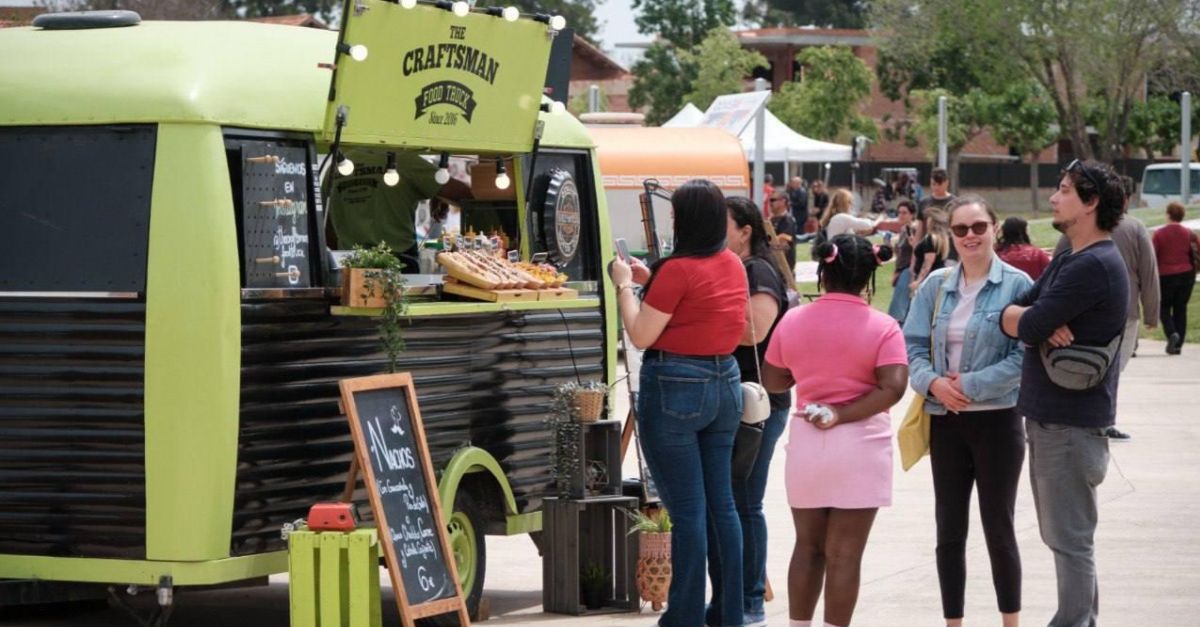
470, 553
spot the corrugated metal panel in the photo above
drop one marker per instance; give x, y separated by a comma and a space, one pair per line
72, 472
483, 379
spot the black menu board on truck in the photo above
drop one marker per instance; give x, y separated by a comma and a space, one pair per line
274, 214
389, 445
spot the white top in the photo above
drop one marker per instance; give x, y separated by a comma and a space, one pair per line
959, 318
846, 223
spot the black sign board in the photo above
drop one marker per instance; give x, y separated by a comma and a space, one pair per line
275, 214
389, 445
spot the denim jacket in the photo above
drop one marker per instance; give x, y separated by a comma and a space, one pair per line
991, 361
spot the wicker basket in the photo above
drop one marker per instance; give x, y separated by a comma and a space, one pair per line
589, 404
654, 568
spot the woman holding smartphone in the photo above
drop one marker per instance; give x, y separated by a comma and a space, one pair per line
691, 319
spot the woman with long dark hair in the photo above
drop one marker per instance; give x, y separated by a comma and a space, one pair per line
849, 366
691, 319
1015, 249
747, 238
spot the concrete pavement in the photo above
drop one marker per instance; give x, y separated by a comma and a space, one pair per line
1148, 550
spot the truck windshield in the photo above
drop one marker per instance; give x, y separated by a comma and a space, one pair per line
75, 208
1166, 182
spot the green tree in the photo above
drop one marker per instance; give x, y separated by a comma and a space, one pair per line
1023, 117
1076, 50
826, 102
580, 14
327, 10
823, 13
661, 79
966, 117
722, 67
683, 23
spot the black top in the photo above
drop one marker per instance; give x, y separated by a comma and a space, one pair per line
786, 225
918, 256
820, 201
763, 279
798, 199
1089, 292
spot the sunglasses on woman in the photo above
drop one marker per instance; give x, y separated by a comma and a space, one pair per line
978, 228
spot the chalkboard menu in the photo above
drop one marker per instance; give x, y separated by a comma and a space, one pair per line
275, 214
389, 444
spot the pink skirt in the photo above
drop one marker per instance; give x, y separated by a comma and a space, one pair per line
846, 467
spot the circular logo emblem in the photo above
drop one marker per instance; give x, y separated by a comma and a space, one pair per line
563, 197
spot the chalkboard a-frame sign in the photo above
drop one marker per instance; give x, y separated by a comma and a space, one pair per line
389, 446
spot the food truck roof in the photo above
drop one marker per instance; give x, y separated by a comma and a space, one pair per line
243, 74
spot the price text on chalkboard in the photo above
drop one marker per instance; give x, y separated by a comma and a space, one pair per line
389, 444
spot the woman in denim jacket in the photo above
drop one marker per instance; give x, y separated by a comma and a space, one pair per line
969, 372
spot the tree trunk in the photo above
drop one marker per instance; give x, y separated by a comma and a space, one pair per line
1033, 181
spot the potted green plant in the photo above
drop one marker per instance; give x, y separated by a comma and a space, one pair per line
371, 277
593, 584
654, 554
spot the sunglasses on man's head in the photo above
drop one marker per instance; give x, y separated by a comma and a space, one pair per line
978, 228
1078, 165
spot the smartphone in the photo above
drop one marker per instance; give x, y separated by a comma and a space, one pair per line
623, 250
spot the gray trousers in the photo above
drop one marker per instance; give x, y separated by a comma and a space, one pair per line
1066, 465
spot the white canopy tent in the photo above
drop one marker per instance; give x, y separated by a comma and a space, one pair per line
782, 143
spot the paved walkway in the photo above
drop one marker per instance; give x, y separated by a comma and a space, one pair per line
1148, 548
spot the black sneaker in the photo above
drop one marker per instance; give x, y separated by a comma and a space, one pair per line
1174, 343
1117, 435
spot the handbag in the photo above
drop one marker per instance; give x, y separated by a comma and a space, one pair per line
1194, 249
1079, 367
756, 406
912, 437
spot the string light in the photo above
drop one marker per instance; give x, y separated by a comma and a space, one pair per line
345, 166
460, 8
555, 22
358, 52
509, 13
408, 4
391, 177
502, 180
442, 176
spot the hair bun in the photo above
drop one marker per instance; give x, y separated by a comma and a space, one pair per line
822, 250
884, 253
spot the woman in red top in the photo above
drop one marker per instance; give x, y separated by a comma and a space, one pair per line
692, 317
1015, 249
1176, 275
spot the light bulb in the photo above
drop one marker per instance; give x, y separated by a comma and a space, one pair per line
391, 178
358, 52
511, 14
442, 176
502, 181
408, 4
461, 8
557, 108
345, 166
558, 22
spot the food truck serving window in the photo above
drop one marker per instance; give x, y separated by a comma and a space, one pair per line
75, 208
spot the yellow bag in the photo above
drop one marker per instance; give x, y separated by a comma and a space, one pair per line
913, 435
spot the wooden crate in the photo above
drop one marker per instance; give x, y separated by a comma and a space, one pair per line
600, 449
333, 579
558, 293
579, 532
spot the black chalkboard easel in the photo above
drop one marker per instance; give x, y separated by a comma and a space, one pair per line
390, 451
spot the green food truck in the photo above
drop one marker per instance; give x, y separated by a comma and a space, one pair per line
171, 338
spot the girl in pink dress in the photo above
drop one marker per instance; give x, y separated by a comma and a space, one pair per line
849, 365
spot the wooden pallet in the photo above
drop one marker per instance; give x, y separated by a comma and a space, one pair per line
495, 296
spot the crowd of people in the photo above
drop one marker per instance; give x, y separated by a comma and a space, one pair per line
981, 324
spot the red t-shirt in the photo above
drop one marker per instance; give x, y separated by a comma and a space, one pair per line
707, 298
1027, 258
1172, 249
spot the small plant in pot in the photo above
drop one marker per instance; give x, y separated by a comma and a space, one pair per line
654, 554
593, 586
371, 277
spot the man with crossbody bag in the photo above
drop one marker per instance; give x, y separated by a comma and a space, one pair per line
1071, 321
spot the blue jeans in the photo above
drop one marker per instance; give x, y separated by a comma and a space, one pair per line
898, 308
688, 411
748, 496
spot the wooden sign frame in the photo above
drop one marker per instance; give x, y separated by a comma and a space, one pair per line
408, 613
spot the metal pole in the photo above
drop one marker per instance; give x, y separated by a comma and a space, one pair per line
594, 99
1185, 149
760, 145
941, 155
